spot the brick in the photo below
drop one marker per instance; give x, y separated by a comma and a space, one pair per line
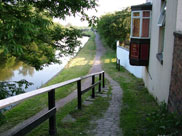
175, 94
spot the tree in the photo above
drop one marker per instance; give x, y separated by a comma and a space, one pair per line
116, 26
28, 33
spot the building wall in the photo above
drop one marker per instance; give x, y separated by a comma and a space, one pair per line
175, 95
157, 76
179, 16
123, 55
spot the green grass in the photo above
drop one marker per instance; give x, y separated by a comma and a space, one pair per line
82, 117
87, 33
137, 102
77, 67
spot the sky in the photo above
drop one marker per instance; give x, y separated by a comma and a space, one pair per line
105, 6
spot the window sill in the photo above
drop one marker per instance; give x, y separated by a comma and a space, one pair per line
160, 57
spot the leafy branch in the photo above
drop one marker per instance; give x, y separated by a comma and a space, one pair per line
11, 88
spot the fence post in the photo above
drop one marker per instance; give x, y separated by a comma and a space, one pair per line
79, 94
116, 63
93, 89
103, 82
100, 83
52, 119
119, 65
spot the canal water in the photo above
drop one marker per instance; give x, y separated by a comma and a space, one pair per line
37, 77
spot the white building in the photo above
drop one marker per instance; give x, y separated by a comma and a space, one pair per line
157, 76
163, 75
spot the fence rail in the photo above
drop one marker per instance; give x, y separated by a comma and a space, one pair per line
51, 113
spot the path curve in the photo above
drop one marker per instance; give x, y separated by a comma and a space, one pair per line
109, 124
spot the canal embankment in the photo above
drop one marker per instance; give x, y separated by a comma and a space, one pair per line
76, 67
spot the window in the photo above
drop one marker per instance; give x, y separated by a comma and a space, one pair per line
162, 17
161, 24
140, 24
136, 27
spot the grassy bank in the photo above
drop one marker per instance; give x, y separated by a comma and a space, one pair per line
77, 67
140, 114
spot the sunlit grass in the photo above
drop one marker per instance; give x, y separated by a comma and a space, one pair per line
110, 60
77, 62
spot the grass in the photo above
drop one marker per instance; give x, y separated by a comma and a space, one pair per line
87, 33
81, 125
77, 67
137, 102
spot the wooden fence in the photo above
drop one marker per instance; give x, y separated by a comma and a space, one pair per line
51, 113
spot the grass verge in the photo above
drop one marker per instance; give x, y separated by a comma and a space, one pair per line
137, 102
77, 67
81, 125
140, 114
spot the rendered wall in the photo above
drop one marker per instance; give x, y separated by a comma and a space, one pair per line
123, 55
157, 76
179, 16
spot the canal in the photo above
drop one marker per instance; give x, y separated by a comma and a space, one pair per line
21, 71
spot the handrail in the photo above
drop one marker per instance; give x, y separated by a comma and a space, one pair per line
51, 113
15, 99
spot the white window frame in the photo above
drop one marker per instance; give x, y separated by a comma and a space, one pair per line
162, 17
141, 23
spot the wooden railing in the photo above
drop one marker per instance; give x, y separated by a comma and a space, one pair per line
51, 113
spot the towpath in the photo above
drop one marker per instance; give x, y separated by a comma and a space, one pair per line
106, 126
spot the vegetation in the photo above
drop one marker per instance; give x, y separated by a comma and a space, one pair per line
116, 26
28, 33
81, 125
13, 87
140, 114
79, 66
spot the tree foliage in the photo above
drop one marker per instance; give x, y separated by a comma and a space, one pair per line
116, 26
28, 33
13, 88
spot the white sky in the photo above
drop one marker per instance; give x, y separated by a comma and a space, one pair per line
104, 7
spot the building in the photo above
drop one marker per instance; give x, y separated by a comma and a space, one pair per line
163, 73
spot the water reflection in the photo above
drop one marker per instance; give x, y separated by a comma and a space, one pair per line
14, 70
7, 69
26, 70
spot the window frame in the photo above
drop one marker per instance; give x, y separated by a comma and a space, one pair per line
162, 17
141, 23
161, 24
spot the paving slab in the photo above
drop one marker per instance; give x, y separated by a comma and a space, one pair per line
108, 125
